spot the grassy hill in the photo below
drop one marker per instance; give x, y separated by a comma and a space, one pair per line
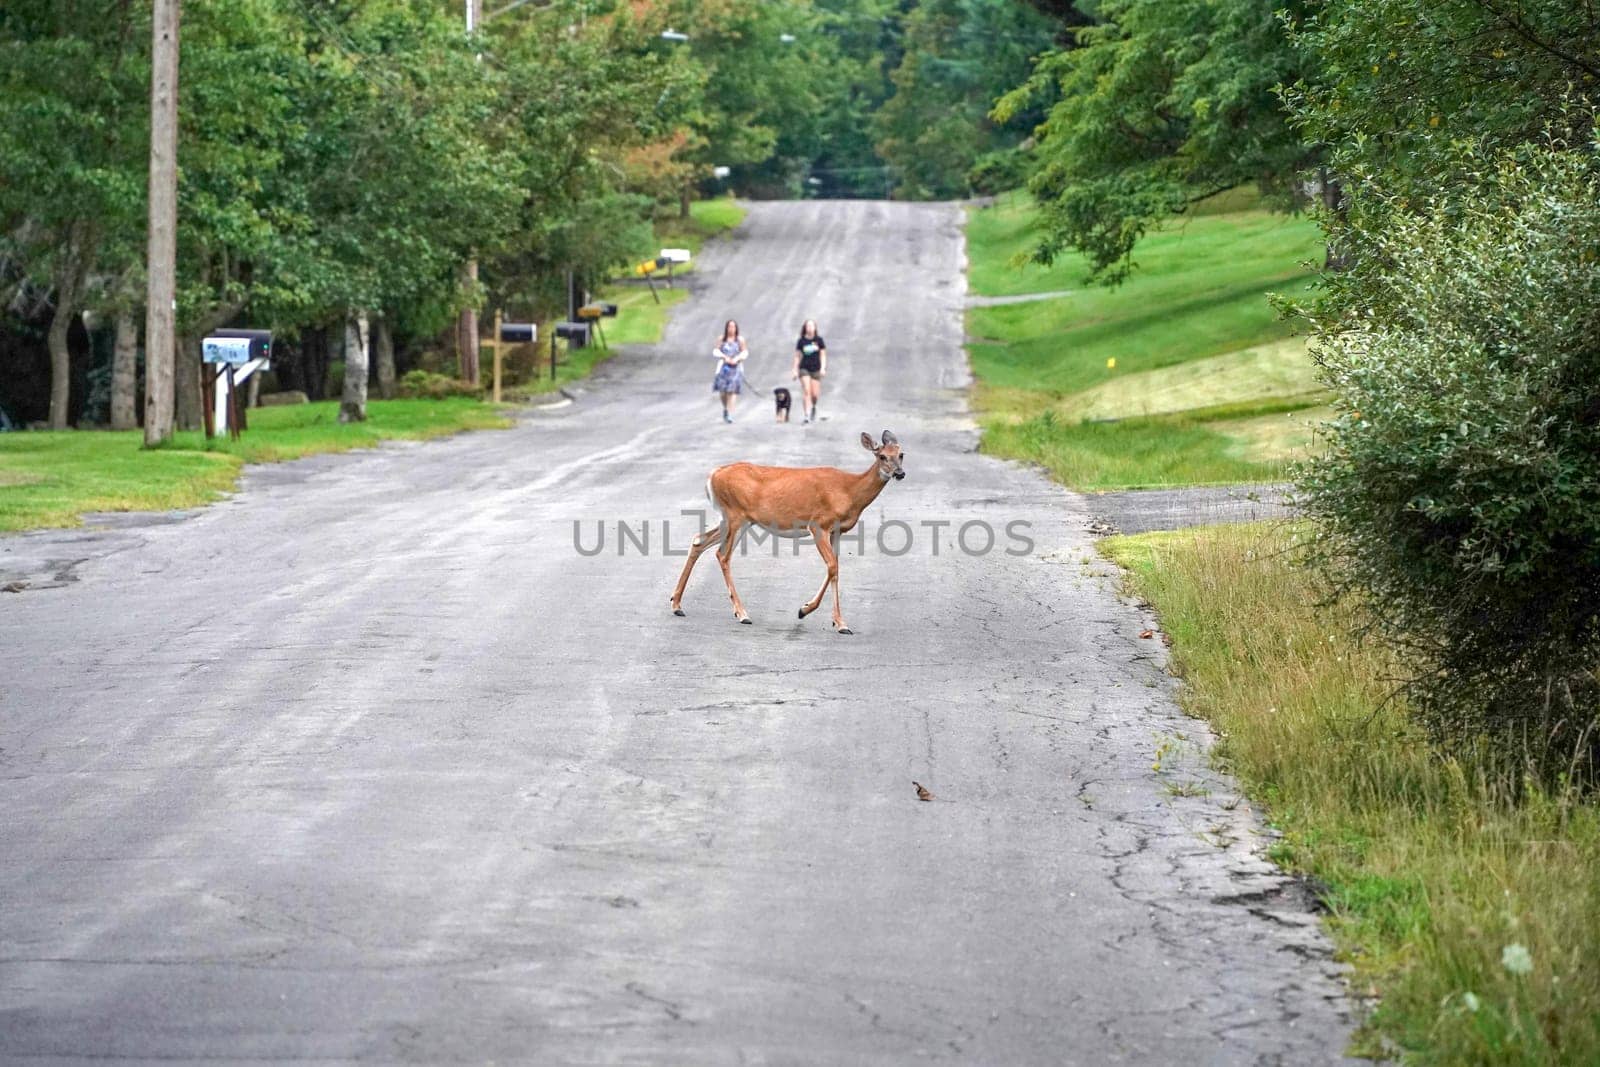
1183, 374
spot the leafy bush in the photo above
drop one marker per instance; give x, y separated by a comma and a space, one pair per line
1459, 494
429, 386
996, 172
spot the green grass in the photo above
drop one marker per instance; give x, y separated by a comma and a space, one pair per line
1181, 258
1137, 453
52, 478
1431, 868
1278, 370
640, 319
1189, 332
707, 219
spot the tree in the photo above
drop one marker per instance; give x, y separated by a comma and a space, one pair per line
1401, 83
1459, 491
74, 79
959, 56
1161, 104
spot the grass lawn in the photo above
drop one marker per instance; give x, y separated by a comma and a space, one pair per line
640, 319
1189, 334
707, 219
1436, 881
52, 478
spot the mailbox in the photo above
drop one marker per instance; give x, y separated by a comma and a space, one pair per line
519, 332
236, 346
673, 255
649, 266
597, 310
576, 334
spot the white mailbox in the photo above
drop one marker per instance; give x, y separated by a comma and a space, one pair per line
674, 255
235, 350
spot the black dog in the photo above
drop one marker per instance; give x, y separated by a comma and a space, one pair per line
780, 397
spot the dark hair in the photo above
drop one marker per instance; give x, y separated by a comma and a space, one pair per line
814, 328
731, 322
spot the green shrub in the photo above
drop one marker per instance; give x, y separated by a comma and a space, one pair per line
429, 386
1459, 494
996, 172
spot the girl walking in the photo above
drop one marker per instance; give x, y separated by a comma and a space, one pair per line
810, 364
731, 352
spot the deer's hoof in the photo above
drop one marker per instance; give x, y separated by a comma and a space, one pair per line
802, 613
846, 630
746, 622
678, 612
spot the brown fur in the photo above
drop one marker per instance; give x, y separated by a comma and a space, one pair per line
822, 501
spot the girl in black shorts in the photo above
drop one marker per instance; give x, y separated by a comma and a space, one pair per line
810, 364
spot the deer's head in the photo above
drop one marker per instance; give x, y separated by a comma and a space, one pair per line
890, 458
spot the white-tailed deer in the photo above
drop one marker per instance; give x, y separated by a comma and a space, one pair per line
792, 502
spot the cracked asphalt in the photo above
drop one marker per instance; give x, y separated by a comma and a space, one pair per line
370, 762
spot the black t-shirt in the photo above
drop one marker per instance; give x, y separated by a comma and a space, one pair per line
810, 349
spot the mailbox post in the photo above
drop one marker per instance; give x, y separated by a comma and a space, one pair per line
508, 333
670, 256
645, 270
593, 313
239, 354
576, 334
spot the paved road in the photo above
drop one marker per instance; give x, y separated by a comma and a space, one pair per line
368, 763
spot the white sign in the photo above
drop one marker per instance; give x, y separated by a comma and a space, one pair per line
721, 172
225, 350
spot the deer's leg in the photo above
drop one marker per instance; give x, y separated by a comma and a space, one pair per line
832, 576
730, 537
697, 546
833, 564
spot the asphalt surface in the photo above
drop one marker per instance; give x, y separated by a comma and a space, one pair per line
369, 762
1143, 510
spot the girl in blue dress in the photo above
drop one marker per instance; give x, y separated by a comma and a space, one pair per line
731, 352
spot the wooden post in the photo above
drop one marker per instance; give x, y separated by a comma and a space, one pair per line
161, 265
552, 355
495, 343
233, 407
208, 390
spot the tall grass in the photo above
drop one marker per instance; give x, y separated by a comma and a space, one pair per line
1468, 907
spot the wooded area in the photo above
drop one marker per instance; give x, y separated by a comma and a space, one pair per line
349, 159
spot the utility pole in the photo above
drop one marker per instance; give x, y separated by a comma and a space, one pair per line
161, 266
467, 325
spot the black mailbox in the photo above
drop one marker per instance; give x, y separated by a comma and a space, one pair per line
608, 310
519, 332
576, 334
246, 345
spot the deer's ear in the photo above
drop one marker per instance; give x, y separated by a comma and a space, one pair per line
866, 443
890, 439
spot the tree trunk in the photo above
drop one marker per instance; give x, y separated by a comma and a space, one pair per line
186, 375
467, 327
161, 256
383, 351
314, 362
1337, 258
60, 358
71, 271
125, 374
353, 406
